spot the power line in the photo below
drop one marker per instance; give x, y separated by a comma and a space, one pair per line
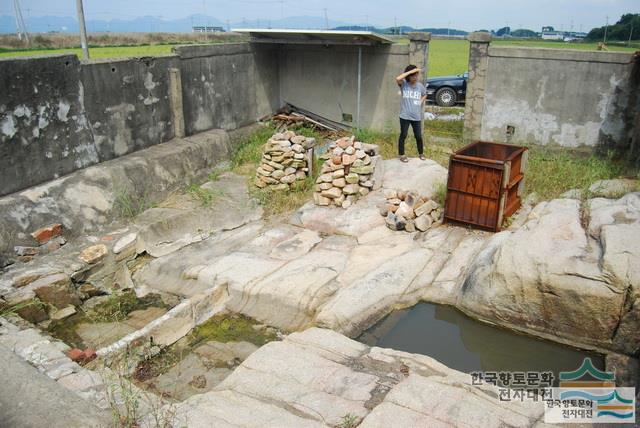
20, 25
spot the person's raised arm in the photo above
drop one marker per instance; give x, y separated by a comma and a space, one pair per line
401, 77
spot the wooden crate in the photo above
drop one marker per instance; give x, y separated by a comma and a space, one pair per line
485, 184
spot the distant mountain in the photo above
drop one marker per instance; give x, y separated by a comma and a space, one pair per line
43, 24
403, 30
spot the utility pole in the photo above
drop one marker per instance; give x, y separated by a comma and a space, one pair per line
605, 30
630, 34
395, 26
326, 19
83, 30
21, 28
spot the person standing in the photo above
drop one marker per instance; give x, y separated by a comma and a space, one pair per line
413, 94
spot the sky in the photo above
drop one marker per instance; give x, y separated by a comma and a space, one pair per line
461, 14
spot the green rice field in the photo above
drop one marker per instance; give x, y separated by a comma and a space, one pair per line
446, 57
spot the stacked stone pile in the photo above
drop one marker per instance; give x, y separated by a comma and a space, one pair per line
347, 173
286, 158
409, 211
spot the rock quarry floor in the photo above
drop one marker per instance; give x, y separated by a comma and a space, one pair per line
312, 280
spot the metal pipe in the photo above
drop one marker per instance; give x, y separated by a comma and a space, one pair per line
83, 30
359, 83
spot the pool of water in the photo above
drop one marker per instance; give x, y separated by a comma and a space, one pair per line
464, 344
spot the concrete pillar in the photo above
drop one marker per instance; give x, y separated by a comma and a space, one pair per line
419, 51
474, 104
175, 98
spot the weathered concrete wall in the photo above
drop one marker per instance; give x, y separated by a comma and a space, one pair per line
127, 104
86, 200
324, 80
228, 85
44, 132
58, 115
553, 96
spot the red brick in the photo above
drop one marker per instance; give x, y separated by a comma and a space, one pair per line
89, 355
44, 234
76, 355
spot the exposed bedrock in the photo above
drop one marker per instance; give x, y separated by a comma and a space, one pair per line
571, 271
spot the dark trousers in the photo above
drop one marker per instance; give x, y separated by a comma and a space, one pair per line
417, 133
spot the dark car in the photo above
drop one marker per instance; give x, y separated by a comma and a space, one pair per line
447, 91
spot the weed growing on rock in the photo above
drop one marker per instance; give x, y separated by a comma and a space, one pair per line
205, 196
440, 194
230, 328
349, 421
129, 205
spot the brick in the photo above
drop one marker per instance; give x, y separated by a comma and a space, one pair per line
76, 355
44, 234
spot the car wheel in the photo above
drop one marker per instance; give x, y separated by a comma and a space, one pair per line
446, 97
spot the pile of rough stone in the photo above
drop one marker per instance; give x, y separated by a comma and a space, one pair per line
286, 158
409, 211
347, 173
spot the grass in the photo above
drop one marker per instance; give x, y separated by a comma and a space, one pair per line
246, 160
115, 309
229, 328
219, 328
205, 196
446, 57
553, 171
450, 57
100, 52
129, 205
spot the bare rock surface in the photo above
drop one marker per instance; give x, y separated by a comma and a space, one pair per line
420, 176
317, 377
190, 221
554, 276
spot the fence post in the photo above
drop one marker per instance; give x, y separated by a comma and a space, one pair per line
474, 103
175, 98
419, 51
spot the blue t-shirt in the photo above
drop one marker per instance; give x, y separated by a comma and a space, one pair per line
410, 105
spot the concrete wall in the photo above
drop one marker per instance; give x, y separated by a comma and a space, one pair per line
324, 80
228, 85
127, 104
58, 115
570, 98
44, 131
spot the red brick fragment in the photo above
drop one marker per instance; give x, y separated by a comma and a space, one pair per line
76, 355
89, 355
44, 234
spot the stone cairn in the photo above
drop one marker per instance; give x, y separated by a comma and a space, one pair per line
409, 211
286, 158
347, 173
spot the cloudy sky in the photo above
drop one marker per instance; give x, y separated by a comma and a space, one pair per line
462, 14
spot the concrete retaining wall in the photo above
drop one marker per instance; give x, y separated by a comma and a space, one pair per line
58, 115
324, 80
87, 199
127, 104
44, 131
227, 86
570, 98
